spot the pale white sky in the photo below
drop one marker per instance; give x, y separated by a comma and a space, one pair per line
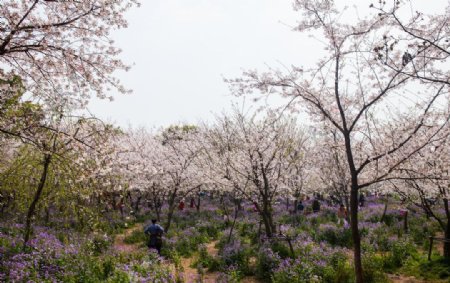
182, 49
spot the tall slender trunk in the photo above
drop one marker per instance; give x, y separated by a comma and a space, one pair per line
169, 218
171, 210
267, 218
236, 210
355, 234
47, 215
386, 201
447, 231
136, 204
157, 207
197, 205
354, 203
267, 226
32, 208
446, 243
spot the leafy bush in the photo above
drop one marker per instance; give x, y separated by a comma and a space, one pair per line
335, 236
205, 260
436, 269
236, 254
372, 266
400, 251
98, 244
267, 262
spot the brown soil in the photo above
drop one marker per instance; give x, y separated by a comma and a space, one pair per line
121, 246
191, 274
404, 279
250, 279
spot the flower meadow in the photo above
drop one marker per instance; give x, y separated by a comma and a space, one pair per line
309, 247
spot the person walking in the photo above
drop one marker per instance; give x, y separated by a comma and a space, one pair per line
342, 215
155, 232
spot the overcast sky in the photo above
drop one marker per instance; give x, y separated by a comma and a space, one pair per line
181, 50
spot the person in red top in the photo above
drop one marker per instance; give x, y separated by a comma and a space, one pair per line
181, 205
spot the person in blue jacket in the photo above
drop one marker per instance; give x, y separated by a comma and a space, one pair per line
155, 232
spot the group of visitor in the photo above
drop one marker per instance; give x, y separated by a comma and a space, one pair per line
315, 206
155, 231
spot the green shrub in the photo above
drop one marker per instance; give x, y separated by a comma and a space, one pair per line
341, 272
399, 252
335, 236
267, 261
373, 267
98, 244
205, 260
281, 249
137, 236
419, 266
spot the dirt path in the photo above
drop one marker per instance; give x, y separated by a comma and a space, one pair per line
121, 246
191, 274
404, 279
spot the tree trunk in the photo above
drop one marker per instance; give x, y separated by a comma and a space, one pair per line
236, 210
267, 218
171, 210
355, 234
405, 222
447, 231
385, 209
47, 215
446, 243
32, 209
197, 205
354, 204
169, 218
136, 204
267, 225
157, 207
272, 224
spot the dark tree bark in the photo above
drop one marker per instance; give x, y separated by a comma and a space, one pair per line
354, 204
32, 208
197, 204
171, 210
447, 231
386, 201
236, 211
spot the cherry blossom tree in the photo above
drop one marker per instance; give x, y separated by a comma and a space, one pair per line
383, 115
426, 184
255, 159
180, 153
422, 40
144, 171
61, 47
